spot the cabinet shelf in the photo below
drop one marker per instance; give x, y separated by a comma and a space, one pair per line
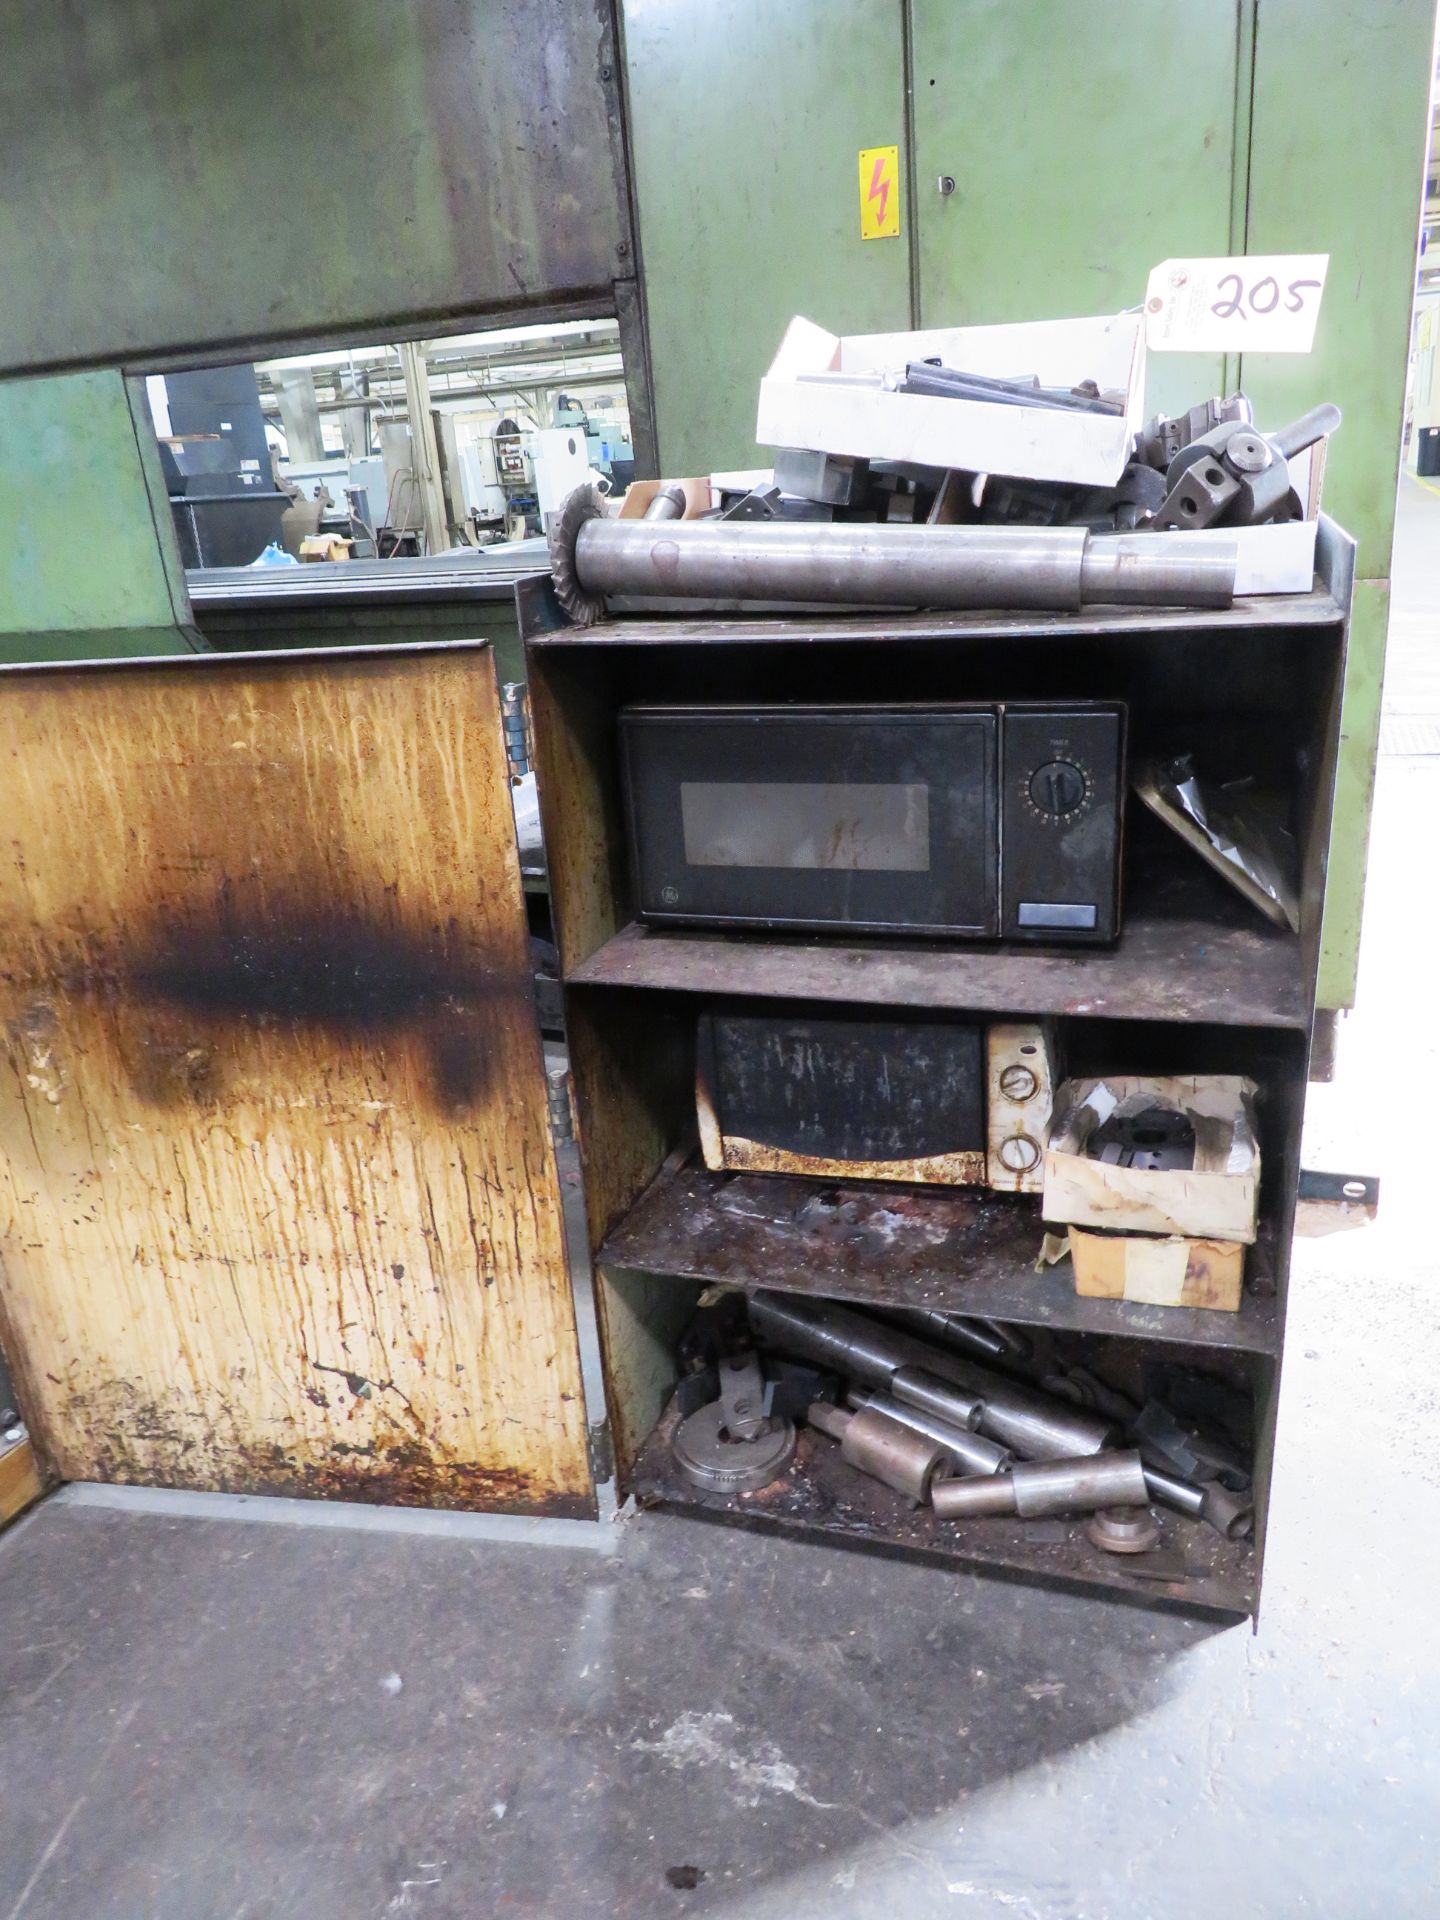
661, 623
959, 1251
1177, 969
820, 1497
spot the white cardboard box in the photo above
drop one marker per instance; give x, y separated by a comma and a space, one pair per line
1038, 443
1215, 1199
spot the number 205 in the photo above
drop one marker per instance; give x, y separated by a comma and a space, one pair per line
1264, 297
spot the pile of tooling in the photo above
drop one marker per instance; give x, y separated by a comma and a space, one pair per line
973, 1419
899, 535
1209, 467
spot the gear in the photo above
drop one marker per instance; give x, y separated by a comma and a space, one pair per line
581, 505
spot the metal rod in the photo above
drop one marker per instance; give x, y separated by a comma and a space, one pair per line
668, 504
1305, 431
1016, 1343
1171, 1491
847, 1343
1122, 569
861, 1349
1230, 1514
918, 1387
971, 1452
896, 1455
855, 564
1053, 1486
1031, 1424
953, 1330
827, 1419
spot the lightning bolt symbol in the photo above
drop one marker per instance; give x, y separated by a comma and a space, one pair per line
879, 189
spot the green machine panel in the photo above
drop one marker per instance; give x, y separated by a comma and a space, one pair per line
747, 120
181, 176
1341, 108
90, 566
1086, 144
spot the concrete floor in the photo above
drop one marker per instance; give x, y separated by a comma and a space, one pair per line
251, 1718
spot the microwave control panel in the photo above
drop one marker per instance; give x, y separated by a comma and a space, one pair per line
1062, 781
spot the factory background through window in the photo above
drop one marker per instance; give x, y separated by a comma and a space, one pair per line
385, 450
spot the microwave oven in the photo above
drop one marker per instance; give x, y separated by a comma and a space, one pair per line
956, 821
867, 1096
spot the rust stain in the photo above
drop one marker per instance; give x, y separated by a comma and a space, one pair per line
390, 1479
932, 1169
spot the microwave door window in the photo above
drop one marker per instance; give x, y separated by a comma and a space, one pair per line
811, 826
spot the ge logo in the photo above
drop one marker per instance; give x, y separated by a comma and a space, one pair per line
670, 895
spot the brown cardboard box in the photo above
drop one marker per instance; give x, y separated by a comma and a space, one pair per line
1216, 1199
640, 493
1173, 1271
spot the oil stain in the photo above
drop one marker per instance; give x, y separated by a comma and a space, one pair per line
297, 961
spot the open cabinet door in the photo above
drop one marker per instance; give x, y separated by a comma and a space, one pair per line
279, 1209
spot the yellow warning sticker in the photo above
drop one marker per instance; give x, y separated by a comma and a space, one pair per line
879, 193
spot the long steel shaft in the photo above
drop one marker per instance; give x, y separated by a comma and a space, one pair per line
971, 1452
1052, 1486
1059, 569
867, 1350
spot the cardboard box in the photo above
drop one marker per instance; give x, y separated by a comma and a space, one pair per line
1176, 1271
640, 493
325, 546
1039, 443
1216, 1199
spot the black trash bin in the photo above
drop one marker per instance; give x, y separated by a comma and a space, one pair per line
1427, 460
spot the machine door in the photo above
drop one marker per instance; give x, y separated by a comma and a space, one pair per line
1062, 150
278, 1202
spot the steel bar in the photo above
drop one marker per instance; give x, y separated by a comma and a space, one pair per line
1123, 570
1230, 1514
1171, 1491
953, 1330
971, 1452
857, 564
918, 1387
1305, 431
1028, 1423
900, 1458
668, 504
845, 1342
1032, 1489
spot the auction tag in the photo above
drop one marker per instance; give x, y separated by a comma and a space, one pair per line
1253, 303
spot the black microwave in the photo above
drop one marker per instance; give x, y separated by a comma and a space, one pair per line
968, 822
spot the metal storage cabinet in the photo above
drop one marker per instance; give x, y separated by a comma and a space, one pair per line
1197, 983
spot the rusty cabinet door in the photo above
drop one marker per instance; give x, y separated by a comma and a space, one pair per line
278, 1201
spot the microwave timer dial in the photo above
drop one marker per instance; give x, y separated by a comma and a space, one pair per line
1059, 789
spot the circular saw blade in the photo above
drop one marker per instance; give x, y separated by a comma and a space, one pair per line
582, 505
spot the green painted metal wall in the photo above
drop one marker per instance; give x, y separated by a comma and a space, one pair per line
90, 564
1088, 139
1341, 109
1054, 211
745, 121
180, 174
